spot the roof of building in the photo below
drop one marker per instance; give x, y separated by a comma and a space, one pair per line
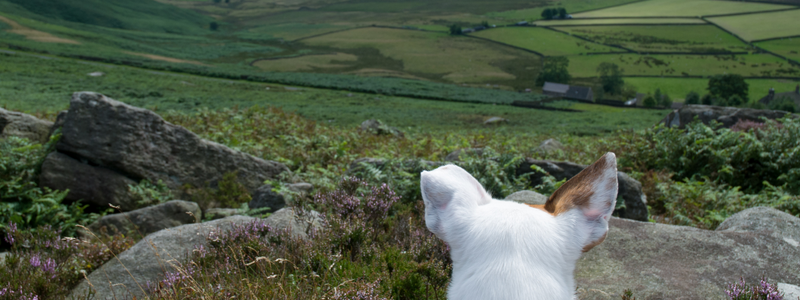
579, 92
553, 87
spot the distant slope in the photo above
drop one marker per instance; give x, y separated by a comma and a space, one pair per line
142, 15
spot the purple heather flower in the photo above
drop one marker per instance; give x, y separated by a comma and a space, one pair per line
35, 261
12, 228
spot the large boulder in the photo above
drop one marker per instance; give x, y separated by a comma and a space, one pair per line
767, 220
630, 190
150, 219
94, 185
23, 125
139, 144
727, 116
658, 261
527, 197
379, 128
148, 260
264, 196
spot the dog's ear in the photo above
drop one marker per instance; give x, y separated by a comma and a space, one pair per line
450, 194
593, 194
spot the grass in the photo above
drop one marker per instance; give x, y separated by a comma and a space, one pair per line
544, 41
755, 27
679, 8
287, 31
788, 47
572, 22
677, 88
660, 38
32, 84
678, 65
432, 55
306, 62
535, 13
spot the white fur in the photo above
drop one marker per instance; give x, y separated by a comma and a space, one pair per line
507, 250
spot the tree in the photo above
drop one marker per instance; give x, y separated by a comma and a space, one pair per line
455, 29
548, 13
707, 99
666, 101
657, 95
692, 98
485, 24
649, 101
562, 13
735, 100
725, 86
213, 26
554, 70
610, 78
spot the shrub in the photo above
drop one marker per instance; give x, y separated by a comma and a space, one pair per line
783, 103
649, 101
692, 98
146, 193
735, 100
227, 192
554, 70
707, 99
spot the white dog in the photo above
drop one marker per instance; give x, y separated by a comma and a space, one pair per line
506, 250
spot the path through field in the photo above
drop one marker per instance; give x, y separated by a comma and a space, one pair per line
31, 34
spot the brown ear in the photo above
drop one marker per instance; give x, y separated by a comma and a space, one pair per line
594, 193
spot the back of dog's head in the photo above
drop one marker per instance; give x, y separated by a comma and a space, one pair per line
507, 250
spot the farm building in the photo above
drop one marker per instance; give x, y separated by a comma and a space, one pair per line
574, 92
772, 96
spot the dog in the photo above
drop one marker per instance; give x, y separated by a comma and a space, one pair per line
507, 250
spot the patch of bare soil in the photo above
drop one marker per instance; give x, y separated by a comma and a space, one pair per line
164, 58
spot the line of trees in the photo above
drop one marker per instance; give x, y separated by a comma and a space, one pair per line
551, 13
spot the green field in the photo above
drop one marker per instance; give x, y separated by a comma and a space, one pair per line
573, 22
307, 62
756, 27
545, 41
433, 55
788, 47
663, 38
677, 88
572, 6
677, 65
680, 8
32, 84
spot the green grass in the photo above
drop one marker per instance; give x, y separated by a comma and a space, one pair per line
677, 65
545, 41
306, 62
288, 31
663, 38
679, 8
619, 21
762, 26
677, 88
788, 47
572, 6
31, 84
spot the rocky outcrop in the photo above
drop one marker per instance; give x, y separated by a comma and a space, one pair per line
379, 128
550, 145
658, 261
150, 219
766, 220
727, 116
630, 190
139, 144
23, 125
93, 185
527, 197
160, 252
220, 213
265, 197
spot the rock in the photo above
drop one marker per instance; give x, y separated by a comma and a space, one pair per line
94, 185
301, 187
765, 219
495, 121
658, 261
412, 164
96, 74
728, 116
456, 154
630, 190
139, 144
550, 145
148, 259
265, 197
23, 125
62, 115
3, 257
377, 127
790, 291
528, 197
219, 213
150, 219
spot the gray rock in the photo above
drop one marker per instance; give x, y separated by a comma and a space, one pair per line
495, 121
550, 145
767, 220
60, 118
528, 197
94, 185
265, 197
630, 190
3, 257
23, 125
414, 164
148, 260
301, 187
728, 116
219, 213
150, 219
379, 128
299, 225
140, 144
790, 291
456, 154
658, 261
